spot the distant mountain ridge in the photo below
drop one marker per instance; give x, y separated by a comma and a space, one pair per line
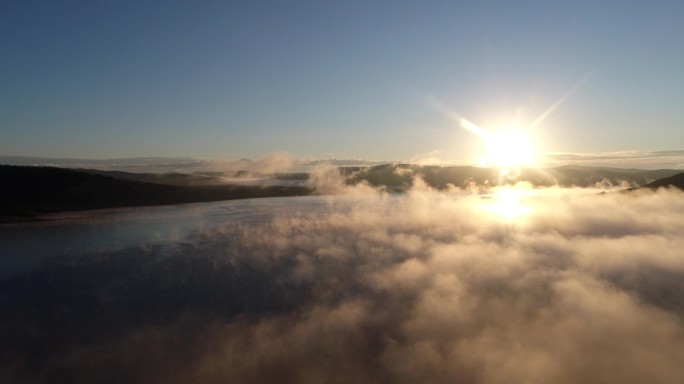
400, 176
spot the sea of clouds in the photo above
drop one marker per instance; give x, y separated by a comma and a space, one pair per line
426, 287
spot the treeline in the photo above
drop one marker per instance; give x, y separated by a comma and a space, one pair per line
26, 192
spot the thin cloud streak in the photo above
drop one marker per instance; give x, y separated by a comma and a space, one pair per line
560, 101
673, 159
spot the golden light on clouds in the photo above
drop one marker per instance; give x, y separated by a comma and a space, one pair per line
508, 203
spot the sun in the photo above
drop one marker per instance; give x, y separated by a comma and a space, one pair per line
507, 149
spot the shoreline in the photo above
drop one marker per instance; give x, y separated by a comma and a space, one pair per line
38, 212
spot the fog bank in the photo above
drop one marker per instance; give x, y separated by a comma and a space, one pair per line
427, 287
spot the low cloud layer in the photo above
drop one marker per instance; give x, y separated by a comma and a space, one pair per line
624, 159
420, 288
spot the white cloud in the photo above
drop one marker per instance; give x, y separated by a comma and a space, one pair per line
431, 287
437, 290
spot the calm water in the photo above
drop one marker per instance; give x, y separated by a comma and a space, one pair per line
22, 245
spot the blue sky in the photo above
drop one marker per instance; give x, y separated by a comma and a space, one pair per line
336, 79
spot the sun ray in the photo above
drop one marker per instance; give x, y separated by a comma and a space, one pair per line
560, 101
473, 128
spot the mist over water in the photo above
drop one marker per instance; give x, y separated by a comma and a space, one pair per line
361, 287
107, 230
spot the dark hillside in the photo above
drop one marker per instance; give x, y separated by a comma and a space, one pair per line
676, 181
171, 178
26, 192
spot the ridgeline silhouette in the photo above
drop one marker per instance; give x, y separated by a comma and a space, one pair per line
28, 192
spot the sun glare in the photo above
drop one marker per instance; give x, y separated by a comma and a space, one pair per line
507, 149
507, 203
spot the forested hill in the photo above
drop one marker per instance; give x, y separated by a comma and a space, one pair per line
26, 192
676, 181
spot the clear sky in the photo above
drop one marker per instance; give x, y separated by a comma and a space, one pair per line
341, 79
